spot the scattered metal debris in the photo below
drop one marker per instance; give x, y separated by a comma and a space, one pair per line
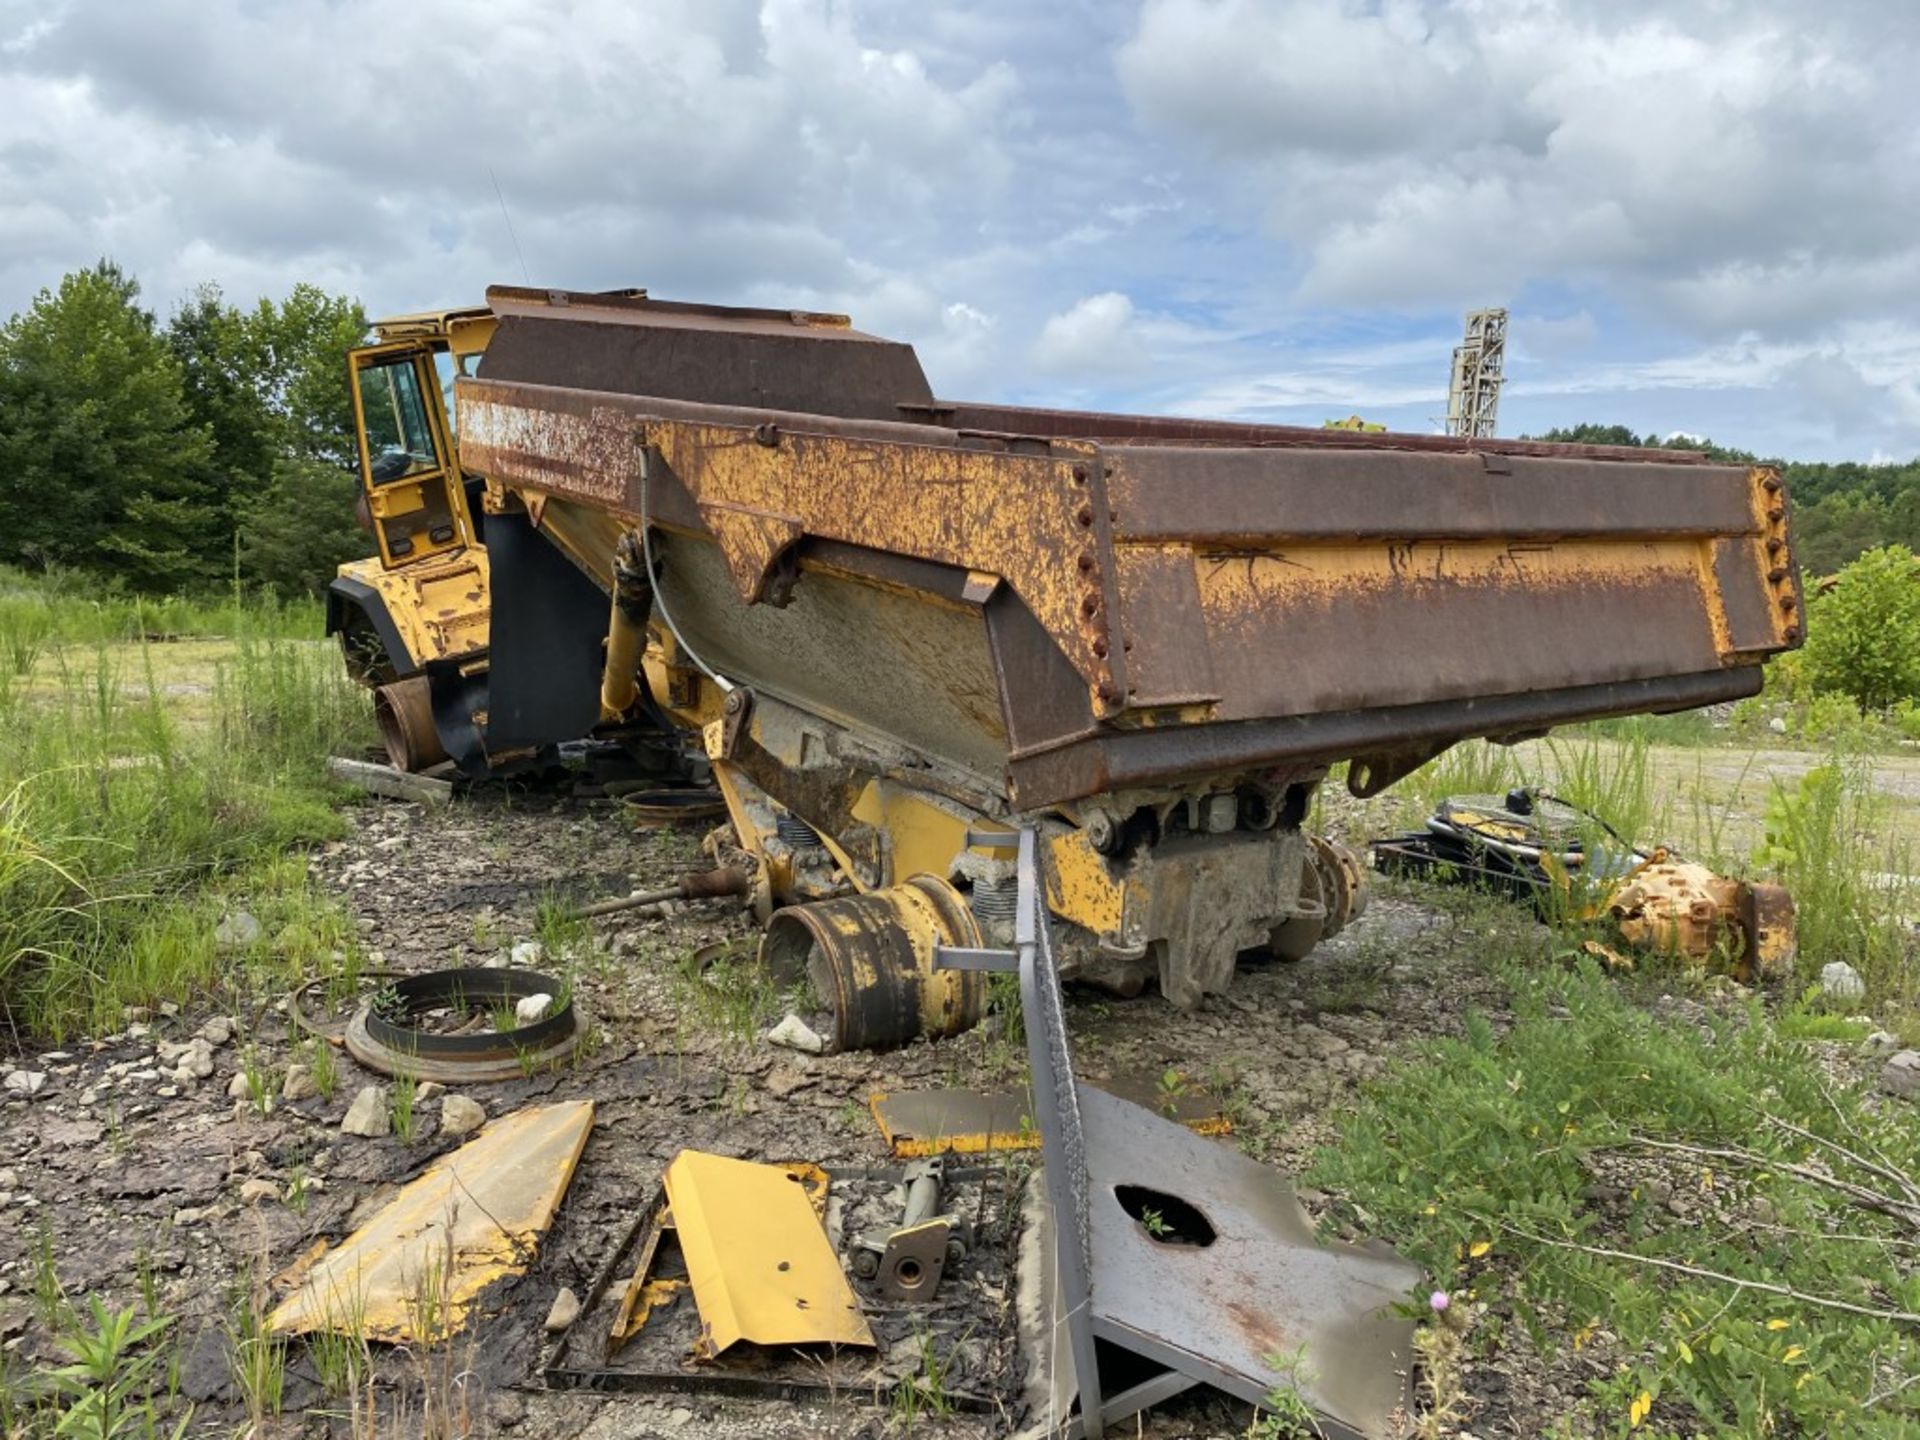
392, 1032
707, 885
1568, 863
639, 1327
758, 1261
907, 1260
918, 1123
472, 1218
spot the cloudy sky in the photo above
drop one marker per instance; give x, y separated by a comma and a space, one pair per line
1704, 214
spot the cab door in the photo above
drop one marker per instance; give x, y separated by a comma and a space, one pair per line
408, 467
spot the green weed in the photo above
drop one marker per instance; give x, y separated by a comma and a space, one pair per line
106, 1391
1483, 1162
400, 1106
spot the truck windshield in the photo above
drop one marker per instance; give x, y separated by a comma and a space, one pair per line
399, 438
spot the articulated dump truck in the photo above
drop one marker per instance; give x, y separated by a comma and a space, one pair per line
898, 628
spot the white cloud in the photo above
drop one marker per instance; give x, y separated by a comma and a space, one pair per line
1716, 158
1097, 337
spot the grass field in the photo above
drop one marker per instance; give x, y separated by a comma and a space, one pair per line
158, 760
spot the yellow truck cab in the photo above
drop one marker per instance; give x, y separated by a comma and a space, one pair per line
424, 596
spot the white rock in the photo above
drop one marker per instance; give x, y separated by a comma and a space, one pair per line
217, 1031
526, 954
566, 1309
1880, 1042
1841, 981
9, 1179
1902, 1075
533, 1007
429, 1090
237, 931
299, 1083
1777, 725
368, 1114
256, 1191
134, 1014
238, 1089
795, 1034
461, 1116
197, 1062
25, 1082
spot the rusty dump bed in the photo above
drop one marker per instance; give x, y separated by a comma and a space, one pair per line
1066, 604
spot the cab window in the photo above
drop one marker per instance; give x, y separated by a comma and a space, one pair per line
399, 436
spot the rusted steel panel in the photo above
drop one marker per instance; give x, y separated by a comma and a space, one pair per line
1252, 495
1039, 521
1180, 430
1347, 628
1116, 759
777, 360
1170, 661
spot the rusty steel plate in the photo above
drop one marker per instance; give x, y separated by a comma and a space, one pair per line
1262, 1287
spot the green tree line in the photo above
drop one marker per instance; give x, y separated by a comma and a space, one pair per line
1841, 509
170, 457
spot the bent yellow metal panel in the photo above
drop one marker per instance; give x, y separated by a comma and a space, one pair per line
757, 1257
474, 1217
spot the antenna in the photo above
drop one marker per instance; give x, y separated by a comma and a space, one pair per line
501, 195
1479, 363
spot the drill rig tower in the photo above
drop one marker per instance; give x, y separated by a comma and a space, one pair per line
1473, 397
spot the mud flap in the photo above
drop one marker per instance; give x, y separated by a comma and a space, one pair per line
544, 644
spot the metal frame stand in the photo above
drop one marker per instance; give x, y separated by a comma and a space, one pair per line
1254, 1303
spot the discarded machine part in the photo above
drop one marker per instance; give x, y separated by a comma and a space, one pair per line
889, 618
679, 805
917, 1123
334, 1031
722, 884
1679, 908
1568, 864
908, 1260
652, 1285
386, 1034
404, 712
757, 1258
1196, 1262
477, 1214
870, 960
638, 1322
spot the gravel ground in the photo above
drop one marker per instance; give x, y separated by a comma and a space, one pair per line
127, 1161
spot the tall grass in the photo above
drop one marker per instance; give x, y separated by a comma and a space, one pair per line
121, 826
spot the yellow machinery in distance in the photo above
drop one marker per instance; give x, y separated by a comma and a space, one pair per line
890, 623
